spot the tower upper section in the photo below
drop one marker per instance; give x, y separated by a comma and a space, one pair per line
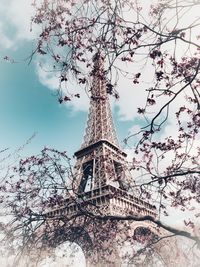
100, 123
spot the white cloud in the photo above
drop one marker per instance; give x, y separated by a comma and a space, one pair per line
51, 80
46, 77
15, 22
19, 15
131, 97
5, 41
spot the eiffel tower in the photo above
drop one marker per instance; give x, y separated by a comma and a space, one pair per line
100, 161
101, 186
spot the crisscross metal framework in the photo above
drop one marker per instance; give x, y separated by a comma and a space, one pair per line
100, 160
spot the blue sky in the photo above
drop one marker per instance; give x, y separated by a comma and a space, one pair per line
28, 103
28, 107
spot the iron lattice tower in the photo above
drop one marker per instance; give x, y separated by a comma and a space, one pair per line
100, 160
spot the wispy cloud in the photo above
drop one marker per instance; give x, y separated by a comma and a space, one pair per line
5, 41
51, 80
15, 22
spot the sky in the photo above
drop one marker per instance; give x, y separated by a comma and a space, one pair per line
28, 102
26, 105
